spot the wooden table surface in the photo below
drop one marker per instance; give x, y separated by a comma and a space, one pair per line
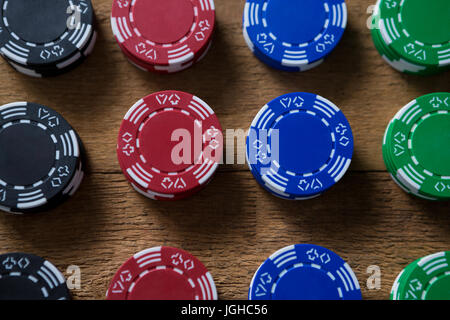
233, 225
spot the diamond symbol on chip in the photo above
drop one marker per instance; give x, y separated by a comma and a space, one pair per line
56, 182
9, 263
126, 276
320, 47
23, 263
344, 141
303, 185
167, 183
2, 194
325, 258
440, 187
127, 137
312, 254
214, 144
45, 54
257, 144
128, 149
199, 36
189, 264
177, 259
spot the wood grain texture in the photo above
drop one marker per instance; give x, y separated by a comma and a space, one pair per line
233, 225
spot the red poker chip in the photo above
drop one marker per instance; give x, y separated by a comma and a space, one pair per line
163, 32
169, 197
164, 69
170, 143
162, 273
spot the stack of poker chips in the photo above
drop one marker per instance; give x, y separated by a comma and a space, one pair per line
46, 38
164, 36
293, 35
28, 277
162, 273
412, 35
304, 272
40, 160
427, 278
170, 145
299, 145
416, 147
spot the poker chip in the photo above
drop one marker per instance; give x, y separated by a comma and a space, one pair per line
416, 147
427, 278
41, 159
43, 39
292, 35
413, 36
164, 36
28, 277
170, 145
299, 145
162, 273
304, 272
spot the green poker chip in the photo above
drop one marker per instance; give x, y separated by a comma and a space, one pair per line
427, 278
400, 280
417, 30
416, 147
413, 36
391, 167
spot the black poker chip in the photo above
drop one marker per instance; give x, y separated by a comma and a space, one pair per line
41, 163
52, 71
46, 38
28, 277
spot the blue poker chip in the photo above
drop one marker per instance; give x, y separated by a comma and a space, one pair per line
304, 272
276, 193
293, 35
299, 145
271, 63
